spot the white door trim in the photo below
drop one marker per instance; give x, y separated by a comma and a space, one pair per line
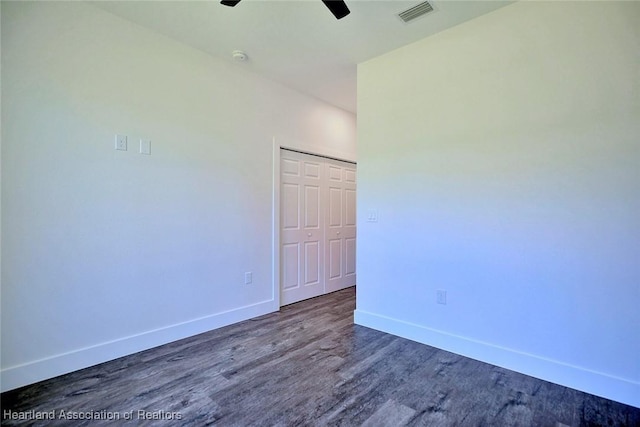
275, 212
275, 232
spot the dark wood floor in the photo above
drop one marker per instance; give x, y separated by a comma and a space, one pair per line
307, 365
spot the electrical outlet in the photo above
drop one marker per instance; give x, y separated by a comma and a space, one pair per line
248, 278
121, 142
441, 297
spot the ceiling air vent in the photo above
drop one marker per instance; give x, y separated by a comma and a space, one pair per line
416, 11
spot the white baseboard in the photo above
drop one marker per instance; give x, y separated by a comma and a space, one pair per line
597, 383
31, 372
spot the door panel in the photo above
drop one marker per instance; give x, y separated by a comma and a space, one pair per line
335, 173
350, 208
350, 246
350, 176
335, 207
335, 259
341, 228
312, 170
312, 206
312, 263
291, 206
290, 272
290, 167
302, 220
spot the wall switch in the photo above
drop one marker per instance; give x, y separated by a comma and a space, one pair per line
441, 296
121, 142
145, 146
372, 215
248, 278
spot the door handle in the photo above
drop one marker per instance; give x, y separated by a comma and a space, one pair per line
309, 234
338, 232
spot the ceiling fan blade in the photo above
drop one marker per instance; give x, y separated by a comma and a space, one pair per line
337, 7
230, 2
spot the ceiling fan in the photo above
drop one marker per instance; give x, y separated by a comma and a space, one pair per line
337, 7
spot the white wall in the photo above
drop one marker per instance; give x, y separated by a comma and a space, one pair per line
108, 252
503, 156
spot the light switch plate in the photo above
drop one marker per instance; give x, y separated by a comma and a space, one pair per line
145, 146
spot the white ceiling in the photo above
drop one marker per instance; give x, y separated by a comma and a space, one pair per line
298, 43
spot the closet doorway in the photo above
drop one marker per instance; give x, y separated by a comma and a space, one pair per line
317, 225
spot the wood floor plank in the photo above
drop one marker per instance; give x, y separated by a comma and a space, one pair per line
389, 415
309, 365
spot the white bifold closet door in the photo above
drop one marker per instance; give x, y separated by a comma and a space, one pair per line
340, 226
318, 226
